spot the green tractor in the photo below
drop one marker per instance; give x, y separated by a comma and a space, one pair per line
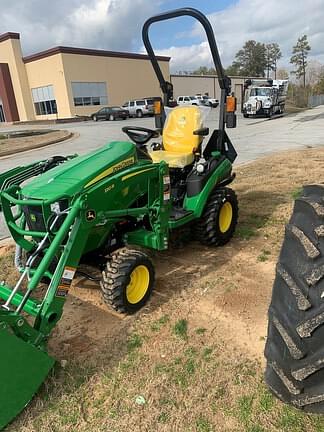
112, 204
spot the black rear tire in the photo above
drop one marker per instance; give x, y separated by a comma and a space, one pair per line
217, 224
128, 280
295, 342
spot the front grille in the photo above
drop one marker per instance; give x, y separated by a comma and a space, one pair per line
34, 218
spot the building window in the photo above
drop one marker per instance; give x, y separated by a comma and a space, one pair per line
44, 100
89, 93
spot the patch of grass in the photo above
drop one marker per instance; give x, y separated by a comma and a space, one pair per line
255, 428
245, 408
190, 366
207, 353
245, 232
296, 193
134, 341
291, 420
158, 324
163, 417
200, 330
264, 255
191, 352
180, 329
266, 401
257, 221
203, 425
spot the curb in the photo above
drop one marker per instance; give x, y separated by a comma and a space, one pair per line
36, 146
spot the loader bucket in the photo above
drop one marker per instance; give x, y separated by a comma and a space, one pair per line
23, 368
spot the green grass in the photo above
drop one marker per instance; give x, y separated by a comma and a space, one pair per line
180, 329
158, 324
264, 256
134, 341
291, 420
163, 417
245, 232
296, 193
266, 401
200, 330
203, 425
245, 408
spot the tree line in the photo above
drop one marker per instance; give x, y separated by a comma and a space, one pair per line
256, 59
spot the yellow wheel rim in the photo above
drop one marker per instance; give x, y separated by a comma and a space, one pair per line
138, 285
225, 216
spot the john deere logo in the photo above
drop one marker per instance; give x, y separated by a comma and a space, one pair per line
33, 218
90, 215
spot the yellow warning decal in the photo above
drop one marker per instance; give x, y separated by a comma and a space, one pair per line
112, 170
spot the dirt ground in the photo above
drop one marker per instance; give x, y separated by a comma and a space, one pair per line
192, 359
15, 145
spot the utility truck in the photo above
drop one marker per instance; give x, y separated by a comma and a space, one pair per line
264, 97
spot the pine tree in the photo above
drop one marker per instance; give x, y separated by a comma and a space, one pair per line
273, 54
299, 57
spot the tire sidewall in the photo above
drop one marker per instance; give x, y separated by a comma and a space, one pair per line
130, 307
225, 236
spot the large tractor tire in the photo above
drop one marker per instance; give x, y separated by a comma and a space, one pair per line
218, 221
128, 280
295, 342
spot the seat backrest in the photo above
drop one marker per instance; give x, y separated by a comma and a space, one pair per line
178, 130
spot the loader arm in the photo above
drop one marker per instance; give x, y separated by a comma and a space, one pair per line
25, 321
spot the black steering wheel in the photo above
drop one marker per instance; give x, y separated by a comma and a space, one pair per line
140, 135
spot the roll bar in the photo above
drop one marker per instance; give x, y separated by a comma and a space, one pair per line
166, 87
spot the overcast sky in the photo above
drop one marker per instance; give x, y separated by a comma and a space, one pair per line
116, 25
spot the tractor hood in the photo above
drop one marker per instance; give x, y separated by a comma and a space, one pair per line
77, 174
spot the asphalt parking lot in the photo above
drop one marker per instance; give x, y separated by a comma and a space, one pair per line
253, 138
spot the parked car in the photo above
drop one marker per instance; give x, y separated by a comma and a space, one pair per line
110, 113
208, 101
140, 107
188, 100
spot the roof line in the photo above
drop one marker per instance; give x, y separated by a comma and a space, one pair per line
9, 35
87, 51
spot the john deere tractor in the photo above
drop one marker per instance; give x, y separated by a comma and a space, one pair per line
113, 205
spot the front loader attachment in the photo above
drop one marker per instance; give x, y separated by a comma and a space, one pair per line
27, 317
23, 369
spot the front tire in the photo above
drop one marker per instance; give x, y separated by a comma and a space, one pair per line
217, 224
128, 280
139, 114
295, 348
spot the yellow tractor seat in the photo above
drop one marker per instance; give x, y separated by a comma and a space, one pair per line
179, 142
173, 159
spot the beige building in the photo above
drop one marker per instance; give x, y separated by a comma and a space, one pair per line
64, 82
189, 85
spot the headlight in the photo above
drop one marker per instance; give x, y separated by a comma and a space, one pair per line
55, 207
59, 206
